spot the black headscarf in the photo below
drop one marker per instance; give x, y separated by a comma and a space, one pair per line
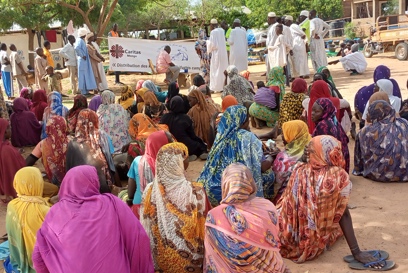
173, 91
198, 80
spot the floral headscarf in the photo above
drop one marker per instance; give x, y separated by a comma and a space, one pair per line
276, 77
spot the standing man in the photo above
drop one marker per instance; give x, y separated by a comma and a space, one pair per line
40, 64
271, 36
114, 33
165, 65
6, 71
318, 29
227, 31
47, 53
86, 79
18, 70
299, 65
68, 53
219, 59
288, 39
304, 24
239, 47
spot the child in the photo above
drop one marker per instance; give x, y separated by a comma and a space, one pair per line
53, 79
278, 56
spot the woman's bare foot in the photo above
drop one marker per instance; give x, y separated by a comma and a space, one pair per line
366, 257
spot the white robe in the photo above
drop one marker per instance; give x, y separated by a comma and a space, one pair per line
104, 83
238, 49
270, 40
219, 59
277, 53
299, 59
317, 49
354, 61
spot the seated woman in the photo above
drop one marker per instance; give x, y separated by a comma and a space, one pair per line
201, 113
71, 222
127, 100
199, 83
323, 73
319, 190
95, 102
24, 217
174, 90
238, 86
80, 103
161, 96
139, 98
181, 127
235, 143
295, 137
114, 120
241, 234
380, 152
276, 77
291, 105
25, 128
140, 128
153, 108
54, 108
321, 90
266, 105
52, 150
143, 169
27, 94
39, 104
10, 162
324, 117
363, 95
173, 213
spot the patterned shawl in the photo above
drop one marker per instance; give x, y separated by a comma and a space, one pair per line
80, 103
55, 108
232, 144
241, 235
54, 149
314, 201
276, 77
141, 126
127, 98
173, 214
238, 86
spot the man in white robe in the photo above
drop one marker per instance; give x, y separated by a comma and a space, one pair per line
219, 59
238, 47
288, 39
354, 62
318, 29
271, 36
299, 66
277, 51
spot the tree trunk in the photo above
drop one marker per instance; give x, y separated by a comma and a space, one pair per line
31, 35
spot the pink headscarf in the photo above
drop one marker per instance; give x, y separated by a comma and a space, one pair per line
101, 223
139, 84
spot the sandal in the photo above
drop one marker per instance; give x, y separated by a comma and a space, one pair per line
388, 265
375, 253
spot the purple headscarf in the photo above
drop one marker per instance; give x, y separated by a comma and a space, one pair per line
266, 96
364, 94
25, 128
90, 232
95, 102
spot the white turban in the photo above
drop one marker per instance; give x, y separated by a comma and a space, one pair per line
272, 14
82, 32
304, 13
289, 18
214, 21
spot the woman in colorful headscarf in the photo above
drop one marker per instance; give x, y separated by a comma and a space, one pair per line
25, 215
153, 107
173, 213
234, 143
381, 152
139, 98
100, 222
201, 113
291, 106
55, 108
363, 95
10, 162
324, 117
265, 106
140, 128
127, 100
27, 94
25, 128
205, 58
319, 190
241, 234
295, 137
95, 102
161, 96
114, 120
87, 132
326, 71
80, 103
143, 169
276, 77
238, 86
52, 150
174, 90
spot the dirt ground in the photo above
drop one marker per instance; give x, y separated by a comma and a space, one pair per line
379, 216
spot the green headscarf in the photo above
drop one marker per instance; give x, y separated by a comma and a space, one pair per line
276, 77
329, 78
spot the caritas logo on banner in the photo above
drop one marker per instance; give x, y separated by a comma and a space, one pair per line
136, 55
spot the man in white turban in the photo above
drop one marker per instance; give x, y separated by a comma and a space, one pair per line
219, 59
238, 47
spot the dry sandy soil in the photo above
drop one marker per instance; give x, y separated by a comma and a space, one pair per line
379, 216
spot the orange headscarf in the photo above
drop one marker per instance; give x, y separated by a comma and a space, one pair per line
141, 126
150, 99
228, 101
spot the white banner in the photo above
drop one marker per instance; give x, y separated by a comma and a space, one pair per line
126, 54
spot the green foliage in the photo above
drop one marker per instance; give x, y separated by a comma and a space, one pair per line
391, 7
350, 31
328, 9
